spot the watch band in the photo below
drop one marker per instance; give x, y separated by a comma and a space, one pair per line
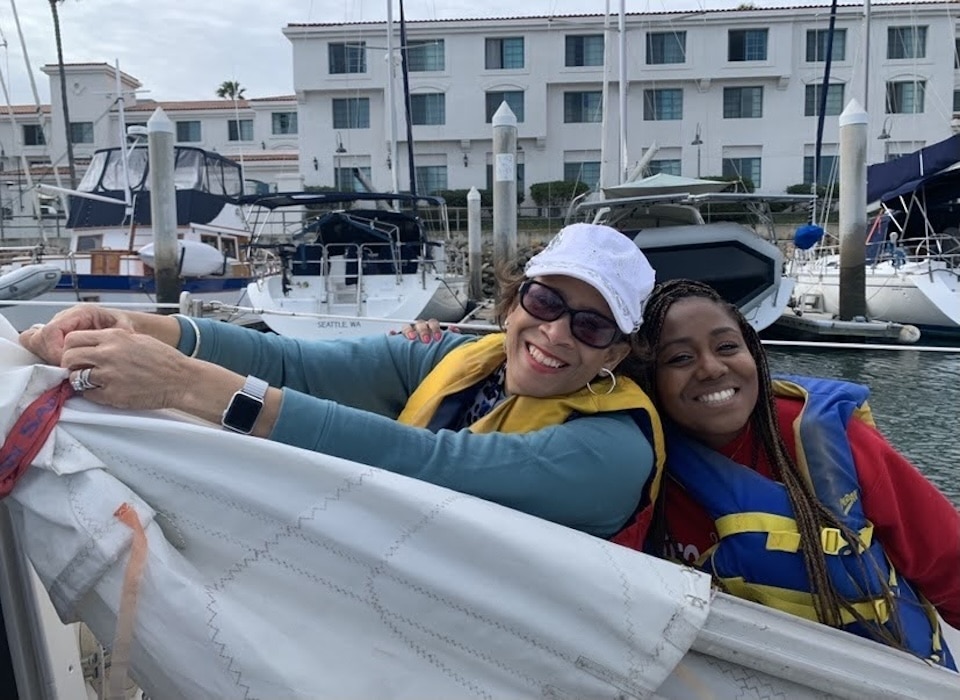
245, 405
255, 387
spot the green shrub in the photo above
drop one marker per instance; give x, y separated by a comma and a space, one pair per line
557, 192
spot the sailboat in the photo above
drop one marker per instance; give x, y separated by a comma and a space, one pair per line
912, 255
366, 262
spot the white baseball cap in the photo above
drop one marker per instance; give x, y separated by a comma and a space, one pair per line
607, 260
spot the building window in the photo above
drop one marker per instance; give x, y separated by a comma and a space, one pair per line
351, 113
513, 98
743, 102
239, 130
906, 42
33, 135
431, 178
817, 45
429, 108
956, 100
587, 172
584, 50
348, 58
189, 132
905, 97
747, 45
956, 54
666, 47
504, 53
81, 132
811, 100
580, 107
283, 123
826, 173
425, 56
346, 180
663, 104
667, 166
743, 168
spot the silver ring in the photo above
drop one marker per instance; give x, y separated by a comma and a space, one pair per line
82, 382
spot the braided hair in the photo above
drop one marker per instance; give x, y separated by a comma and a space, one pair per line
810, 514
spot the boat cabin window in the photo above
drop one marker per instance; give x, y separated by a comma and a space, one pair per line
106, 171
229, 247
85, 243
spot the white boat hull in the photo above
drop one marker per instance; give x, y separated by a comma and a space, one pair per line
384, 303
276, 572
921, 294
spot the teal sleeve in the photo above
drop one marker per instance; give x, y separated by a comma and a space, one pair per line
375, 373
587, 474
341, 398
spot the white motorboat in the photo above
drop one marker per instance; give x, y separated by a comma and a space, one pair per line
109, 259
362, 263
743, 264
913, 246
324, 578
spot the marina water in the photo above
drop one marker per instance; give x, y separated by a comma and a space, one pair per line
914, 396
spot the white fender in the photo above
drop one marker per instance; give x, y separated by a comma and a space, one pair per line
198, 258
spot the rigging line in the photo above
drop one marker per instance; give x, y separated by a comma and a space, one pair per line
36, 100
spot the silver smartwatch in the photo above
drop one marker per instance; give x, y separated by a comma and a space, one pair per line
245, 406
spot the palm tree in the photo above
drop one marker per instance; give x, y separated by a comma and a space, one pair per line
63, 94
230, 90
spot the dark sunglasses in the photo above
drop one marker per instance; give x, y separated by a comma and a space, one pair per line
589, 327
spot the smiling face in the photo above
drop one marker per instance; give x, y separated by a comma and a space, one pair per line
543, 357
706, 377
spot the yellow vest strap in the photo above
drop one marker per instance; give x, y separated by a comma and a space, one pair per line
782, 533
801, 604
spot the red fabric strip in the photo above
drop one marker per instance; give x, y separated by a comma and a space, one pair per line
29, 433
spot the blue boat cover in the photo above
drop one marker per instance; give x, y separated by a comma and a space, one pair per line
886, 181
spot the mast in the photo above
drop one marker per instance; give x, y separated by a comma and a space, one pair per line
391, 103
866, 55
824, 89
624, 83
605, 102
124, 154
406, 103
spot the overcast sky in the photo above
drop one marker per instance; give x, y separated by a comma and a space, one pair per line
184, 49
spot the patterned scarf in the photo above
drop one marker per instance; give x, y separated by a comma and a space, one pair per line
490, 393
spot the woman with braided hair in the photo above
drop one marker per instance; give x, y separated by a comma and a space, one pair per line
783, 490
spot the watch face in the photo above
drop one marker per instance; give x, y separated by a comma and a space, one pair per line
242, 413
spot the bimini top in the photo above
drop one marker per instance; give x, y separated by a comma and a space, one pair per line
929, 168
204, 182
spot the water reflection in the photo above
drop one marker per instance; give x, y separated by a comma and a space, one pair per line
915, 398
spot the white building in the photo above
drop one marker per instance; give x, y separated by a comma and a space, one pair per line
261, 133
719, 92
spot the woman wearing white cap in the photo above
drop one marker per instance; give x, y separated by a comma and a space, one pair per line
536, 418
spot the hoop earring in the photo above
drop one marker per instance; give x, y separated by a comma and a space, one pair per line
613, 383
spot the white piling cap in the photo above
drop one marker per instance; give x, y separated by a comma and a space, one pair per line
159, 121
853, 113
504, 116
473, 195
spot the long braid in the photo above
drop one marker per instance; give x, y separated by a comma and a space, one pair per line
810, 514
